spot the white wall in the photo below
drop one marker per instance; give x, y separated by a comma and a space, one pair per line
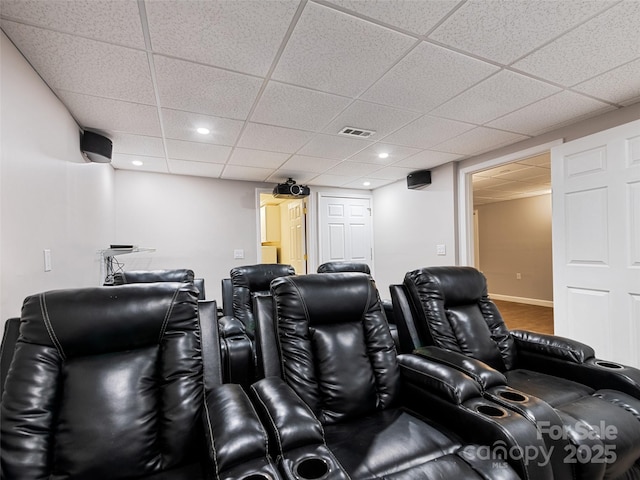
408, 224
50, 198
515, 237
192, 222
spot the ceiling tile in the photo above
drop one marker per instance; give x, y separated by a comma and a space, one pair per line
112, 115
353, 169
283, 174
333, 146
252, 174
202, 89
498, 95
337, 53
479, 140
427, 159
372, 154
243, 36
257, 158
136, 144
427, 77
370, 116
182, 126
605, 42
543, 160
620, 85
149, 164
391, 173
295, 107
303, 163
107, 20
332, 180
199, 152
427, 131
275, 139
85, 66
549, 113
505, 30
366, 183
199, 169
414, 16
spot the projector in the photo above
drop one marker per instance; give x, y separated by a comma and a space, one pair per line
290, 189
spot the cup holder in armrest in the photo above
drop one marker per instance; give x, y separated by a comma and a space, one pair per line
311, 468
513, 396
491, 411
258, 476
611, 365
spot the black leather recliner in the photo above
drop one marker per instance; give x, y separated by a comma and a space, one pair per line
250, 280
107, 383
446, 315
333, 267
236, 347
335, 389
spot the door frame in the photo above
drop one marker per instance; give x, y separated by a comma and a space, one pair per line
317, 219
465, 195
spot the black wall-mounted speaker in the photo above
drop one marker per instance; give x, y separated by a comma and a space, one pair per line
419, 179
95, 147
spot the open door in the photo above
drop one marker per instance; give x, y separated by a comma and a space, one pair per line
283, 232
596, 241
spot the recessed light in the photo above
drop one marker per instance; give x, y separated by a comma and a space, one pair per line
366, 184
203, 131
137, 163
383, 155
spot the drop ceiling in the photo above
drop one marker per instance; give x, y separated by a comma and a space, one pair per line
275, 81
528, 177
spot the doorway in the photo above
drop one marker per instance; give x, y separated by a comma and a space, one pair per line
509, 236
283, 231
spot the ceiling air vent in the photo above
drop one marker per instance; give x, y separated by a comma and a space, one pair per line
356, 132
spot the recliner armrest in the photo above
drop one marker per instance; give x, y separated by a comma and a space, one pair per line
234, 432
290, 422
482, 373
560, 347
445, 382
230, 326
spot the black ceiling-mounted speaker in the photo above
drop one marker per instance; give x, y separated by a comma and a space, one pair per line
95, 147
419, 179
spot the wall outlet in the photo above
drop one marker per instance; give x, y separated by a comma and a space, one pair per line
47, 260
238, 254
518, 276
441, 249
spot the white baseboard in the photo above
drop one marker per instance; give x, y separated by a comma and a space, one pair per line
528, 301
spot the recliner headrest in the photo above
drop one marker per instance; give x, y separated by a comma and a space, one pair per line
324, 298
458, 285
258, 277
92, 321
152, 276
344, 267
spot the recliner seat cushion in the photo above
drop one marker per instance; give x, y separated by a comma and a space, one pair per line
373, 446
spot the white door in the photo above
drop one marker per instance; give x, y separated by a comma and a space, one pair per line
596, 241
345, 229
297, 237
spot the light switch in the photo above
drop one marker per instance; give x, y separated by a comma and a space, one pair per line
238, 254
47, 260
441, 249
